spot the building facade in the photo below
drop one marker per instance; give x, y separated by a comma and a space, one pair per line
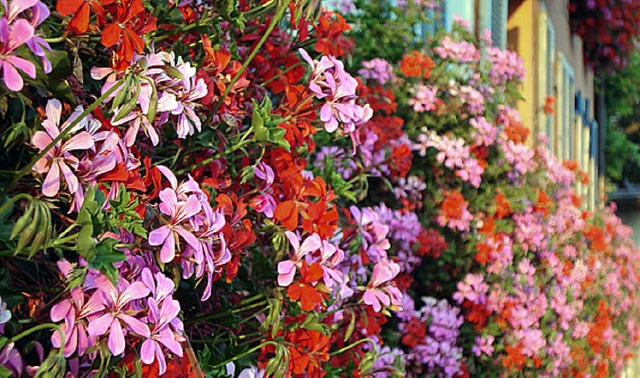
539, 30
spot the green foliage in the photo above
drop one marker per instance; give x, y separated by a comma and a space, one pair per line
382, 30
622, 149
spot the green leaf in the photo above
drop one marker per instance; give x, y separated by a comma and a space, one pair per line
247, 174
257, 123
4, 372
106, 256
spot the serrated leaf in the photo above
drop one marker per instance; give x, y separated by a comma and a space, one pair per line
247, 174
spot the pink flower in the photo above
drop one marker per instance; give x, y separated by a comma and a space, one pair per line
116, 312
58, 159
264, 203
75, 312
265, 172
483, 345
163, 314
11, 37
376, 295
287, 268
180, 212
472, 289
425, 99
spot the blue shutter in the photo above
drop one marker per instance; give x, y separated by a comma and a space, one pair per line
499, 11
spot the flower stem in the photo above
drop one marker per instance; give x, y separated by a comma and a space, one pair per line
12, 200
342, 350
252, 350
226, 313
39, 328
62, 134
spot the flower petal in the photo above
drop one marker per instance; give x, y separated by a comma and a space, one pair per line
116, 339
51, 183
136, 325
99, 326
11, 77
21, 32
135, 291
23, 64
80, 141
159, 235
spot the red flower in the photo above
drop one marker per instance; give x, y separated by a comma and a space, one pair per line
503, 208
514, 360
129, 23
306, 294
81, 9
287, 213
453, 205
431, 243
416, 65
414, 333
329, 30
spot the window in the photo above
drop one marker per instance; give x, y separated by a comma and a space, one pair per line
464, 9
436, 22
547, 73
549, 90
565, 108
499, 14
569, 108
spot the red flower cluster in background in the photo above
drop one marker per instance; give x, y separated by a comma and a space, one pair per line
608, 29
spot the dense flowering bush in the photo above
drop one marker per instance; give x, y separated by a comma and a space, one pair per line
608, 29
208, 188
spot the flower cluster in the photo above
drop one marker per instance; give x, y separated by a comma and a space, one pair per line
607, 28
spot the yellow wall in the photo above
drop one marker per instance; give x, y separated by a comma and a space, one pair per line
521, 38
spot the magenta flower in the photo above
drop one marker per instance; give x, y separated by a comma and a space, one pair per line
287, 268
116, 312
12, 37
58, 159
265, 172
180, 212
264, 203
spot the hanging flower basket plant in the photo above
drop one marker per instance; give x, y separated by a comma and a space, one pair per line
608, 29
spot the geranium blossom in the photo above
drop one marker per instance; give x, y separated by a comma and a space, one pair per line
58, 160
116, 302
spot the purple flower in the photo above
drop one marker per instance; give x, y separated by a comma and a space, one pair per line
116, 302
377, 69
58, 159
11, 359
180, 212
